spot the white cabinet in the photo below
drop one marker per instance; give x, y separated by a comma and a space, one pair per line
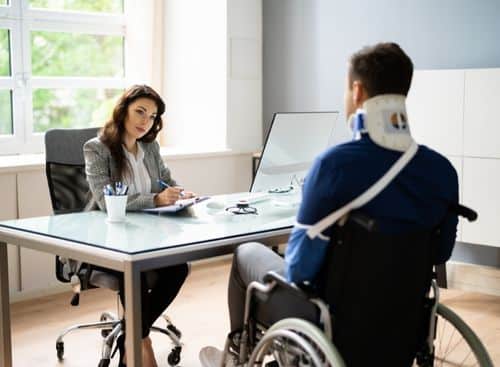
481, 185
457, 164
454, 112
33, 194
37, 268
481, 117
435, 110
8, 210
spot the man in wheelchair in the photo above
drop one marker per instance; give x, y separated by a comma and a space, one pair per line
376, 215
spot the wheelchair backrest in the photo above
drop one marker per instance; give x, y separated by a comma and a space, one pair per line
375, 285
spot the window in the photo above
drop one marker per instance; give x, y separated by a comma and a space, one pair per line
5, 94
63, 63
106, 6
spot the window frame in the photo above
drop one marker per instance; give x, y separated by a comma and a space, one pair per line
13, 83
21, 20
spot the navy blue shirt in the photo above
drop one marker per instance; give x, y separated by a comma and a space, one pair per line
418, 198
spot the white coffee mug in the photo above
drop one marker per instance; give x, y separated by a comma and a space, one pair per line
116, 207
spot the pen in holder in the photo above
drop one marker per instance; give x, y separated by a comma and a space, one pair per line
115, 197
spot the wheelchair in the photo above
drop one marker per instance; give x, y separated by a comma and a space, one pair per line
370, 285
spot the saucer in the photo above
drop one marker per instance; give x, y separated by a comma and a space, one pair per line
120, 220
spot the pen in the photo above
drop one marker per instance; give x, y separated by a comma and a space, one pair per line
165, 185
120, 188
109, 190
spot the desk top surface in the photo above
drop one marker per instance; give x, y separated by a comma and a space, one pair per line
142, 233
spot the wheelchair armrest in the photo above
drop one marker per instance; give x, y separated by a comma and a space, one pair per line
464, 211
303, 290
306, 304
360, 219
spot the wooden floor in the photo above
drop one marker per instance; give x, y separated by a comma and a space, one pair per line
200, 311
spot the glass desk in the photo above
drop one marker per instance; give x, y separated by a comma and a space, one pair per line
142, 242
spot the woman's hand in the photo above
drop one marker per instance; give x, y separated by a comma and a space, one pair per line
188, 195
168, 196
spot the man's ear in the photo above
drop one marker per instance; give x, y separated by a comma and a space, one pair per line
358, 93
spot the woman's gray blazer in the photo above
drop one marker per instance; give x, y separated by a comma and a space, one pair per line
101, 170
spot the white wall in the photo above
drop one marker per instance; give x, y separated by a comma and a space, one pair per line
244, 81
218, 174
213, 74
139, 45
195, 73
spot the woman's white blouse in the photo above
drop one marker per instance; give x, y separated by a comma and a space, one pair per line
140, 182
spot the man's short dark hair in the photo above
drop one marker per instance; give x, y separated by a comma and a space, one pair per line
382, 69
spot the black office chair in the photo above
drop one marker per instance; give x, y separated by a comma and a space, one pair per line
69, 192
377, 304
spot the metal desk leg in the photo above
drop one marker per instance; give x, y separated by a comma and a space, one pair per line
5, 340
133, 321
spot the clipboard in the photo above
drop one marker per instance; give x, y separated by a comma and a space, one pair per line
178, 206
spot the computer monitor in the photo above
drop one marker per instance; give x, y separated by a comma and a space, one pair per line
293, 141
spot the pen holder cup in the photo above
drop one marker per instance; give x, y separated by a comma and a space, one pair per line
116, 207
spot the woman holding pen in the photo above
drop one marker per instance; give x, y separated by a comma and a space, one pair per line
126, 151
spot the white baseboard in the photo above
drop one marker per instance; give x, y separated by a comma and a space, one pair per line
211, 260
468, 277
475, 278
17, 296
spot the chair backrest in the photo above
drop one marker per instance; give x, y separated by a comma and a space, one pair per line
65, 168
68, 187
375, 285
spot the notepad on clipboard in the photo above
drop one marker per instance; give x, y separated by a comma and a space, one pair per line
179, 205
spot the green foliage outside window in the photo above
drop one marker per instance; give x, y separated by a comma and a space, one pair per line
5, 95
5, 112
4, 52
74, 55
72, 108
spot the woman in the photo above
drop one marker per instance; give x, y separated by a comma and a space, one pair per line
126, 151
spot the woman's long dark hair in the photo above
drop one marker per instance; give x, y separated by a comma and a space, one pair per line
112, 132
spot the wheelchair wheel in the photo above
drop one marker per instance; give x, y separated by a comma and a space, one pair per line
295, 342
455, 343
